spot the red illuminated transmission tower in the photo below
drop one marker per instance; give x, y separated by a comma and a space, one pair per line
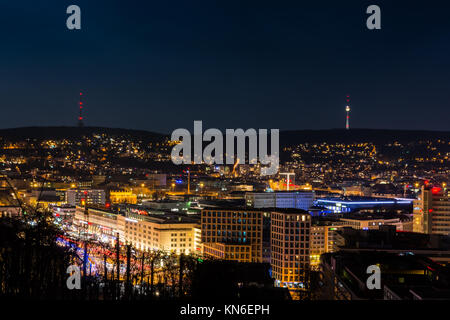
347, 109
80, 117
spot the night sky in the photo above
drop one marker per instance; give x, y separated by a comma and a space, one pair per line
159, 65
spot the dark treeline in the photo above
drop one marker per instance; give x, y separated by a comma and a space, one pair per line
33, 265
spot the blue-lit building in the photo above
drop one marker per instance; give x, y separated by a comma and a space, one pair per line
351, 204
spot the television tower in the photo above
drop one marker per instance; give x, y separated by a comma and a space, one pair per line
80, 116
347, 109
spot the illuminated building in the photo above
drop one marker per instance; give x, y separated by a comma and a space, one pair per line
103, 223
84, 184
431, 211
64, 212
352, 203
294, 199
322, 240
166, 232
360, 191
290, 250
169, 233
122, 196
233, 234
43, 198
374, 223
75, 197
225, 251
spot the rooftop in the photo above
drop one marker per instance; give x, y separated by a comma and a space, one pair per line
250, 209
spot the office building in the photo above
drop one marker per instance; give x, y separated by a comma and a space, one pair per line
283, 199
290, 251
431, 211
322, 240
233, 234
78, 197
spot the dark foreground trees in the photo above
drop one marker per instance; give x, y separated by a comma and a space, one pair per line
33, 265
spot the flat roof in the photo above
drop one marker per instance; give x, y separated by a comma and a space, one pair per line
251, 209
363, 200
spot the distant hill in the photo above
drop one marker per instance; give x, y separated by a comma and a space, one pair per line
377, 136
75, 132
286, 137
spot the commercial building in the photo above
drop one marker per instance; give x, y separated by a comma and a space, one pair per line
102, 223
353, 203
290, 251
432, 211
77, 197
168, 232
283, 199
373, 222
43, 197
233, 233
231, 252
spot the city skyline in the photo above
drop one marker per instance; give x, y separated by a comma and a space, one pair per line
218, 158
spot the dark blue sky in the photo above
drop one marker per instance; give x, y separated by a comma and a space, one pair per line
159, 65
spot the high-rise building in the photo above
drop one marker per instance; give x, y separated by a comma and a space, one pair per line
432, 211
233, 234
290, 250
